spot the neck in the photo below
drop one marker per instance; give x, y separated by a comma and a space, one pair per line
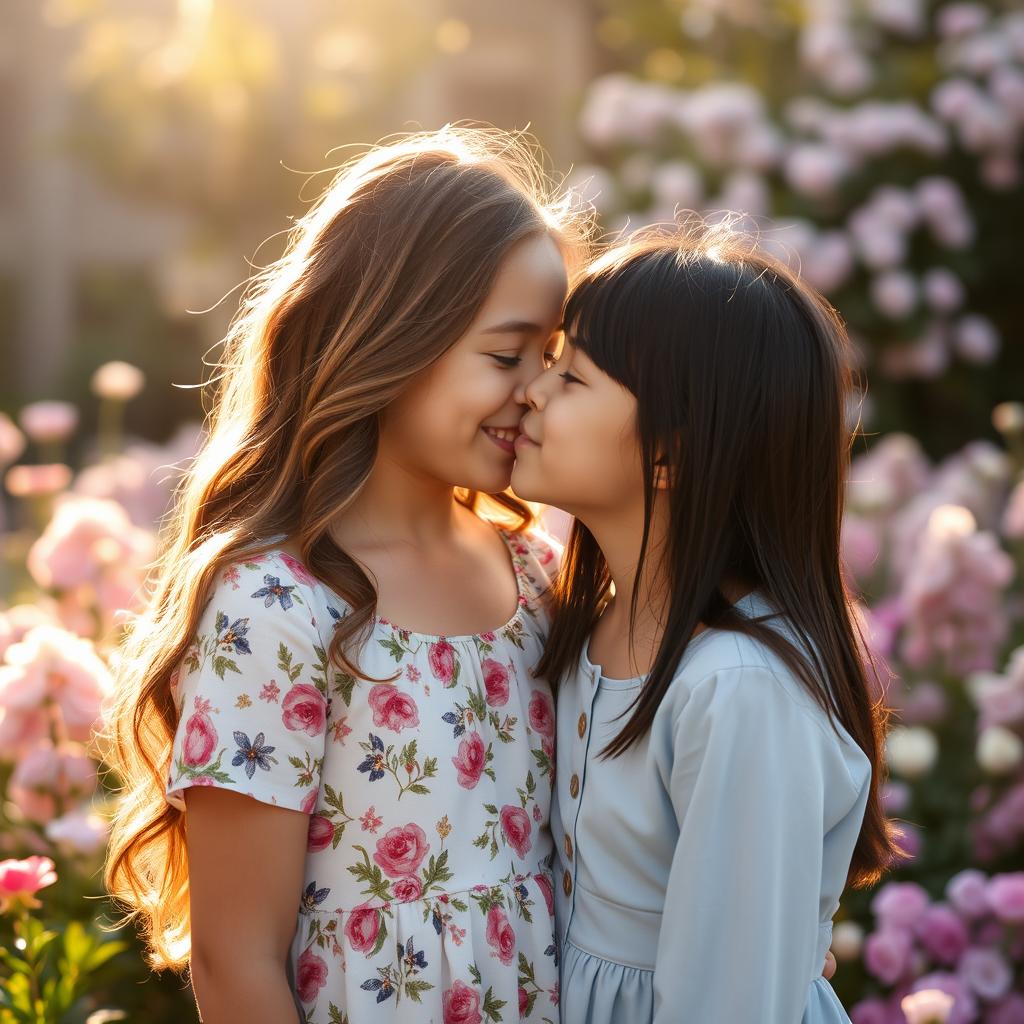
398, 505
619, 534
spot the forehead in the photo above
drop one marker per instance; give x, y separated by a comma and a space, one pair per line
530, 285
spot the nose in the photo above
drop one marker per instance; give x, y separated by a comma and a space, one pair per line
535, 393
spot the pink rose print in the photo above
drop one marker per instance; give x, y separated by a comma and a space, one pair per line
470, 761
393, 709
442, 661
298, 570
362, 927
200, 739
500, 936
308, 804
515, 827
495, 682
461, 1004
310, 976
304, 710
542, 714
321, 832
406, 890
545, 886
400, 850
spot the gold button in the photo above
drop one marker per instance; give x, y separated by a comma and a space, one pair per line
581, 725
567, 883
568, 847
574, 786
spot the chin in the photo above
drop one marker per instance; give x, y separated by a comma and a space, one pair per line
527, 489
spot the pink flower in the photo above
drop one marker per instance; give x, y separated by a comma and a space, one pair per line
12, 444
900, 904
49, 421
545, 886
515, 827
524, 1002
304, 710
200, 739
321, 833
48, 774
542, 714
986, 973
393, 709
79, 831
308, 804
371, 821
871, 1011
310, 976
1006, 896
20, 880
298, 570
362, 927
470, 761
495, 682
400, 850
943, 934
887, 954
441, 656
967, 892
500, 936
270, 692
461, 1004
407, 889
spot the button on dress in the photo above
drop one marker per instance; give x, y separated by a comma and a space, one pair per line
428, 893
700, 871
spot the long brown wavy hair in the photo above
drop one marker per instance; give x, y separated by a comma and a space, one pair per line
743, 380
379, 279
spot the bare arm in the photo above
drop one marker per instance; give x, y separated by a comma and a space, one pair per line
245, 879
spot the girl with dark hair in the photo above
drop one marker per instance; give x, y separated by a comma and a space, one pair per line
718, 738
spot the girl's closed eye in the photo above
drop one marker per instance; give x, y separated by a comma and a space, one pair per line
506, 361
569, 378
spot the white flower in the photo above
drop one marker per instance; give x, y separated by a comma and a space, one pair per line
929, 1006
847, 939
911, 751
999, 750
118, 381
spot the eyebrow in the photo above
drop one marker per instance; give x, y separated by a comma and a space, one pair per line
513, 327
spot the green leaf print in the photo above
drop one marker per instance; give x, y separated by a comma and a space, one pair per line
284, 663
492, 1007
336, 1016
372, 877
222, 664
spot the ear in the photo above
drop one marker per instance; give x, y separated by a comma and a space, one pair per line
661, 474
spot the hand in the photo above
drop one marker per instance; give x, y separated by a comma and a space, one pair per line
830, 966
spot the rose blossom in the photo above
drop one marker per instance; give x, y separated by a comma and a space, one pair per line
542, 715
79, 832
407, 889
500, 935
304, 710
362, 927
887, 954
400, 850
515, 827
470, 760
1006, 896
545, 886
310, 976
927, 1007
200, 739
441, 656
20, 880
495, 682
986, 972
461, 1004
942, 933
393, 709
48, 774
321, 833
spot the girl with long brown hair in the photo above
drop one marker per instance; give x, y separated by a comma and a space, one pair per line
718, 740
337, 759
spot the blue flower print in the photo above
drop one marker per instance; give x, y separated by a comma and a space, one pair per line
232, 635
252, 754
374, 762
273, 590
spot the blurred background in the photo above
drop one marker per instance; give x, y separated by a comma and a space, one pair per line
155, 149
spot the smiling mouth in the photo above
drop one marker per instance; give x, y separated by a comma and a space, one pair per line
503, 437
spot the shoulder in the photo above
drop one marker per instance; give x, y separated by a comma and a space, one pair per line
273, 589
536, 553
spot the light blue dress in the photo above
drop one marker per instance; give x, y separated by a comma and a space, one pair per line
699, 872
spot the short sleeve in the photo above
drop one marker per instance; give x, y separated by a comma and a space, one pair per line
537, 556
251, 691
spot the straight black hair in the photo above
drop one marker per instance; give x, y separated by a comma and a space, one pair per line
743, 379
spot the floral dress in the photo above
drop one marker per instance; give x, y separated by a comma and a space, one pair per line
428, 893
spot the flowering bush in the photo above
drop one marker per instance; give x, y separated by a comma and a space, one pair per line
875, 144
